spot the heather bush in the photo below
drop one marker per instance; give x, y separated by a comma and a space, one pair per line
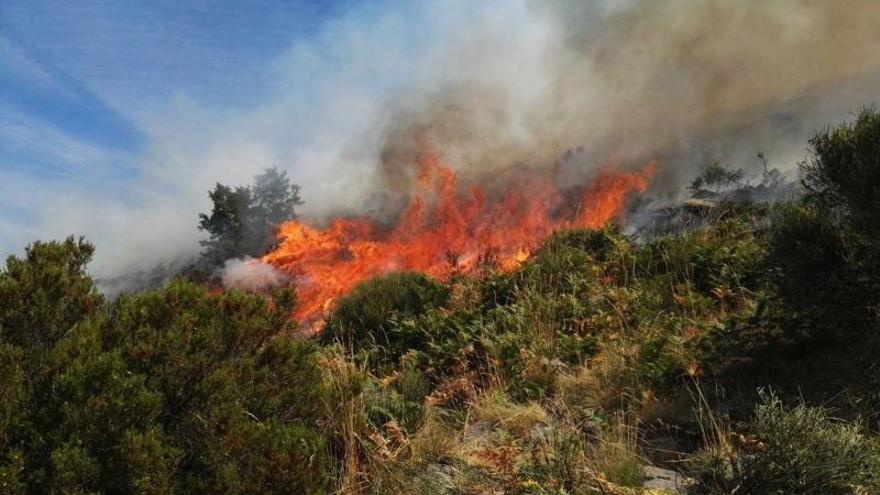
842, 175
362, 320
173, 390
792, 450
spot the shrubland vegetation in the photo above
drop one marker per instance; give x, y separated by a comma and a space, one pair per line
741, 355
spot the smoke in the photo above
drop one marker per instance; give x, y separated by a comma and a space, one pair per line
250, 274
686, 81
492, 85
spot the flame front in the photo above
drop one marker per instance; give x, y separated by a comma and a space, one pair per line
443, 230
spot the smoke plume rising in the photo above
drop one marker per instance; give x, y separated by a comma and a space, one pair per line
688, 81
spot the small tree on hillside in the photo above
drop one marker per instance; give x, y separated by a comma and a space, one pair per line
273, 201
227, 223
244, 220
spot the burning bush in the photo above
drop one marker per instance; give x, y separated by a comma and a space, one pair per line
447, 228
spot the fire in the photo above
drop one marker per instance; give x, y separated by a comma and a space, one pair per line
445, 229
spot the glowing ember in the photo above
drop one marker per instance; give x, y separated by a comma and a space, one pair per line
443, 230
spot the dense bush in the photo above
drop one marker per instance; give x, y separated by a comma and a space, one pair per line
362, 320
798, 450
812, 259
821, 315
171, 390
825, 249
46, 293
843, 172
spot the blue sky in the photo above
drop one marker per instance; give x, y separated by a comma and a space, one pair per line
78, 78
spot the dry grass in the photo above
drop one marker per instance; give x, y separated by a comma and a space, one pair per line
517, 419
435, 440
614, 454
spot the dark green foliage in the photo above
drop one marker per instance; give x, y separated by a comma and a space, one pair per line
362, 319
821, 325
227, 223
13, 411
46, 293
798, 450
243, 220
837, 229
808, 251
812, 259
176, 390
843, 174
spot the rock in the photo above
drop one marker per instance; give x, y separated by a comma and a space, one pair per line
665, 479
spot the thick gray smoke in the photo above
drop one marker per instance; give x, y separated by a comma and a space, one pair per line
685, 81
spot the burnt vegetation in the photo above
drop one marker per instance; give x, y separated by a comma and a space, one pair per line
738, 356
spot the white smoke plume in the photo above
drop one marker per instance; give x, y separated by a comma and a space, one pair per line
251, 274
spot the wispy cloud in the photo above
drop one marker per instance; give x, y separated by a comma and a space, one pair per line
16, 62
27, 142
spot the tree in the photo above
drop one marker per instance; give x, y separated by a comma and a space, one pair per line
227, 224
274, 201
244, 220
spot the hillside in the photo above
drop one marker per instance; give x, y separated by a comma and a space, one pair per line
734, 356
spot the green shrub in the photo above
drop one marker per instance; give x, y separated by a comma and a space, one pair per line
798, 450
812, 259
45, 293
560, 265
808, 251
173, 390
362, 320
843, 174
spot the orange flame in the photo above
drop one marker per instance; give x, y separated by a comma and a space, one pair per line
442, 231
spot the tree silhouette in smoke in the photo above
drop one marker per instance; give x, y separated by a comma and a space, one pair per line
243, 220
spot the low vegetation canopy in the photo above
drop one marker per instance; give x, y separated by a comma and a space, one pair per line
742, 355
